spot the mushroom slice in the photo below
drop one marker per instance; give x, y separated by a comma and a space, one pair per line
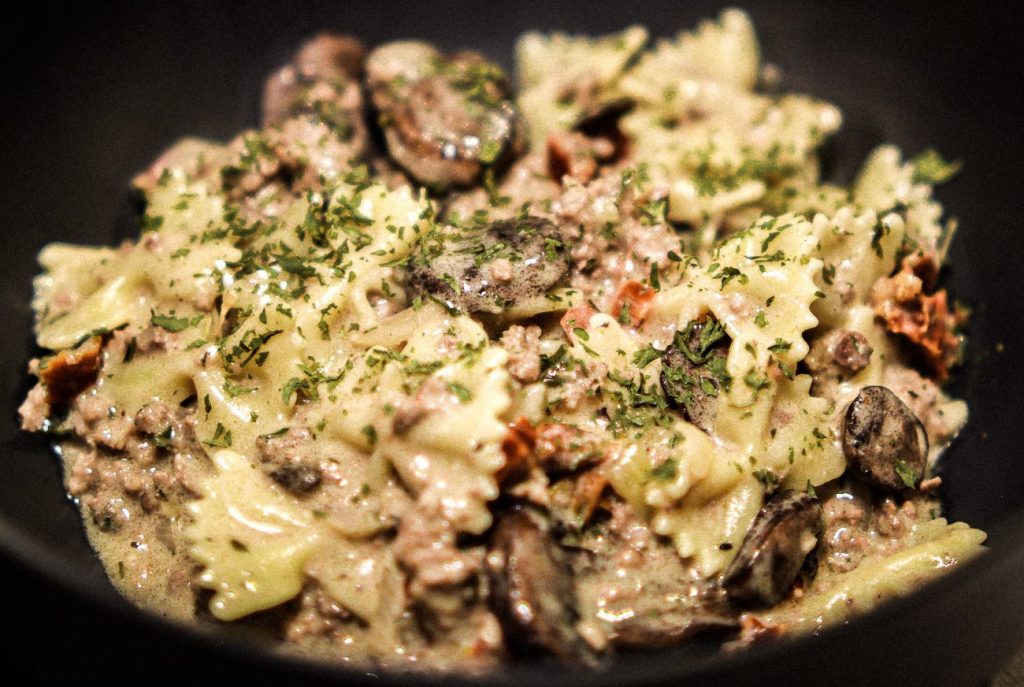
783, 533
322, 79
297, 479
531, 586
493, 268
72, 370
852, 351
693, 371
883, 441
655, 626
445, 118
602, 118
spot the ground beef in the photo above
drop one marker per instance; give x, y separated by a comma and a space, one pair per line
444, 583
859, 524
941, 418
606, 256
632, 583
95, 419
578, 156
523, 346
433, 396
130, 463
835, 357
35, 410
426, 547
318, 616
577, 387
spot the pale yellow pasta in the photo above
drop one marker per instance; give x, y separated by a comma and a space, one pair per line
252, 539
552, 64
936, 547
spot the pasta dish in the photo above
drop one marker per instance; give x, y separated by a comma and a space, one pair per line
430, 371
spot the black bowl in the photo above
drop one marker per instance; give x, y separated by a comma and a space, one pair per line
91, 95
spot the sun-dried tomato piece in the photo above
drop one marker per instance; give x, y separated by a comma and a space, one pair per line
576, 317
635, 296
926, 320
517, 445
586, 495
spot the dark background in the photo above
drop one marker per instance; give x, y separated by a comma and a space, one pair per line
91, 94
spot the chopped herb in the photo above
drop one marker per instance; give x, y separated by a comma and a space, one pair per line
624, 317
233, 389
931, 168
489, 151
151, 223
549, 361
129, 350
460, 391
168, 322
370, 432
906, 474
665, 471
163, 439
756, 381
221, 437
767, 478
645, 356
295, 265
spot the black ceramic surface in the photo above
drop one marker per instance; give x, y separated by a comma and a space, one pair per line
93, 94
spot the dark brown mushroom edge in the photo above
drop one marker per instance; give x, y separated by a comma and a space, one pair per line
428, 372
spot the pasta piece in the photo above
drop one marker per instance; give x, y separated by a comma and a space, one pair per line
252, 540
835, 598
560, 76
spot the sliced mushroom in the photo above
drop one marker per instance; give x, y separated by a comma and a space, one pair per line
445, 118
602, 118
678, 618
693, 371
562, 448
531, 586
297, 479
493, 268
315, 129
334, 61
774, 550
70, 371
883, 441
852, 351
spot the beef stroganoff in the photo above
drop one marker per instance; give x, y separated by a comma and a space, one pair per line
433, 371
